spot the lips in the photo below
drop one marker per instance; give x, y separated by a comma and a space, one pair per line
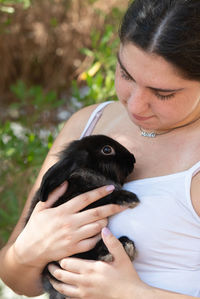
141, 118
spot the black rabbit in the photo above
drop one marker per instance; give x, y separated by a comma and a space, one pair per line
86, 164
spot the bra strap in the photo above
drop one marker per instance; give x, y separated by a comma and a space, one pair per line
94, 118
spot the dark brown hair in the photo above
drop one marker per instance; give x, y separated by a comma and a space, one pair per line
169, 28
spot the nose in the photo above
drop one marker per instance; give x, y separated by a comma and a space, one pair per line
138, 101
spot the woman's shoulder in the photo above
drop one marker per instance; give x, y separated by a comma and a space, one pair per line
73, 127
78, 121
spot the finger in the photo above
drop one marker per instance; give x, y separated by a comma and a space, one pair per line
63, 275
114, 245
65, 289
39, 207
87, 244
76, 265
56, 194
96, 214
92, 229
79, 202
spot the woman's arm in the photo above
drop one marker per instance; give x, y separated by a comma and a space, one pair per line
52, 234
96, 280
71, 131
18, 271
12, 272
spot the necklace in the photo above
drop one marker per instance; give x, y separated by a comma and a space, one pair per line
154, 134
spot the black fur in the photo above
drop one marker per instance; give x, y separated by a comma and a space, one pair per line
87, 164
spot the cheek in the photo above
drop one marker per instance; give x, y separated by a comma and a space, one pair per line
171, 112
183, 106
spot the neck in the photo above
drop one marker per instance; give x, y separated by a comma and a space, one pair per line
153, 133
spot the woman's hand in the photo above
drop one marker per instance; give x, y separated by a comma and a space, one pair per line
96, 279
55, 233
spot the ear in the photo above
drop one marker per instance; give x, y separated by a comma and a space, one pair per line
61, 171
55, 176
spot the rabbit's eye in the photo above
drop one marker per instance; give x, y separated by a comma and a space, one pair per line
108, 150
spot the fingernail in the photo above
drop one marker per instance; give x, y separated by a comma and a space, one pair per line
106, 232
110, 188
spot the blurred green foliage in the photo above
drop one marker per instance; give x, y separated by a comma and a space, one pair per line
99, 77
22, 147
33, 102
22, 151
7, 6
25, 3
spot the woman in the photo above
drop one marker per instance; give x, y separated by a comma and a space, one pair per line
158, 119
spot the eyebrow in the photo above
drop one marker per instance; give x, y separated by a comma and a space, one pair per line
152, 88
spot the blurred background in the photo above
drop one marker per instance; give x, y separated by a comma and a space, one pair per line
56, 56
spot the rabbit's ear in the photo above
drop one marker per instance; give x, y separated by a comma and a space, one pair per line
55, 176
61, 171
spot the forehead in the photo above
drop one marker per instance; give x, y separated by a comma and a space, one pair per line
149, 68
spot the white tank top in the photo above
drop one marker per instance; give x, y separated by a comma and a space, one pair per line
164, 227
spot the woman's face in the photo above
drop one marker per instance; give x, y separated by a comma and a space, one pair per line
153, 91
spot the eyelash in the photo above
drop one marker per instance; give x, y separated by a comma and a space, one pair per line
163, 98
124, 75
159, 96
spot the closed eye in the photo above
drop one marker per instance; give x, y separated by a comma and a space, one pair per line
127, 77
124, 75
165, 97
